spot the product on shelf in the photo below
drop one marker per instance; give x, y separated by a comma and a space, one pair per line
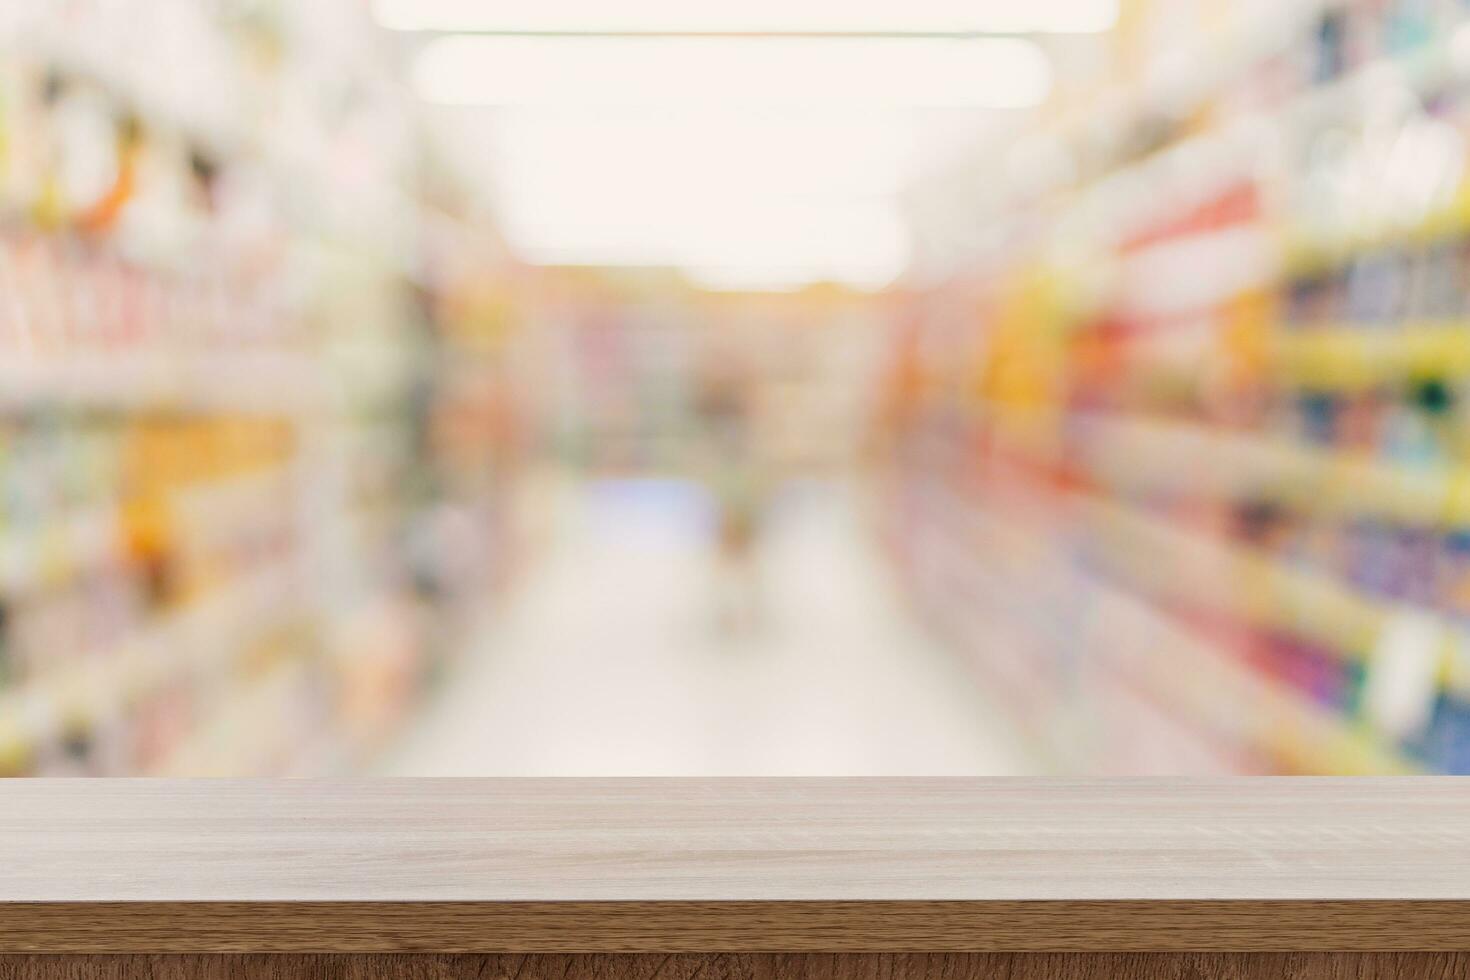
210, 417
1213, 409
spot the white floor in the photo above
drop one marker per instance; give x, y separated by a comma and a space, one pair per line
608, 659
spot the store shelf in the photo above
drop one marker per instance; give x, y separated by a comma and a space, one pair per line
1133, 455
1017, 577
1120, 194
1178, 566
86, 539
197, 641
232, 739
222, 390
1361, 357
1220, 694
250, 382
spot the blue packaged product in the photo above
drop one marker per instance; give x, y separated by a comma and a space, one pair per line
1331, 46
1376, 287
1445, 746
1319, 413
1409, 25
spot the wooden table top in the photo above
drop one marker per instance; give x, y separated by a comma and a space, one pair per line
492, 864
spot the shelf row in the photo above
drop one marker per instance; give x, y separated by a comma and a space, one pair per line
1021, 605
247, 382
1139, 455
199, 640
1139, 463
1174, 565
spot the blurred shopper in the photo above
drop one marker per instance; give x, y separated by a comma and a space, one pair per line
736, 480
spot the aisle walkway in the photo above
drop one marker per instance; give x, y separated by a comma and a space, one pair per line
608, 660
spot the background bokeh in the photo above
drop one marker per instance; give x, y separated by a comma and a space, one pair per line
459, 387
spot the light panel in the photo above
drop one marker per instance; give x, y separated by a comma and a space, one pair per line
859, 242
752, 16
768, 199
490, 70
694, 154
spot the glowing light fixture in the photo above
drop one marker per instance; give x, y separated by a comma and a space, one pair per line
751, 16
863, 243
492, 70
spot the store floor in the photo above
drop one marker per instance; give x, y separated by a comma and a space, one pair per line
610, 658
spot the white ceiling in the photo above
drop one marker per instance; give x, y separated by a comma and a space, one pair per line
766, 198
778, 16
688, 152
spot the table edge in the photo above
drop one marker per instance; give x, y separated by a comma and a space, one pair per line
736, 926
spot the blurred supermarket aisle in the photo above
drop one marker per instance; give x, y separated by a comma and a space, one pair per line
610, 660
1147, 322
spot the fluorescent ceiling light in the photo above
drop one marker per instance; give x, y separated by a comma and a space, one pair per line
751, 16
998, 73
747, 200
864, 243
699, 154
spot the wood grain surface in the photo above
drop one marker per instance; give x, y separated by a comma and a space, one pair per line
974, 966
728, 840
733, 926
733, 865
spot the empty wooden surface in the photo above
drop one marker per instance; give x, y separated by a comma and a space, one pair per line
628, 865
652, 840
